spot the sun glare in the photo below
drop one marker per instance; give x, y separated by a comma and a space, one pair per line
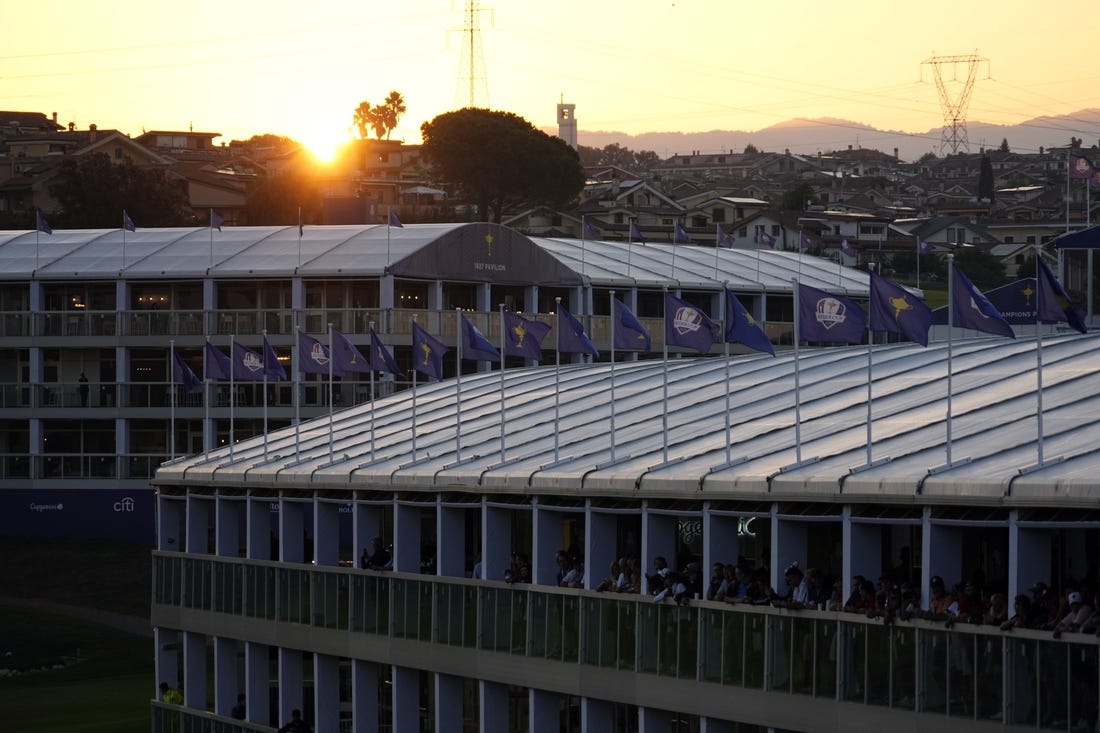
324, 144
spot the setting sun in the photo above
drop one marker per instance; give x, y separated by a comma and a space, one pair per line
325, 143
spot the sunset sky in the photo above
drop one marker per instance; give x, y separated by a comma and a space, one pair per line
241, 68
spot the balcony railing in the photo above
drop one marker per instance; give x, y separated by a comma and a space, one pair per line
178, 719
1025, 678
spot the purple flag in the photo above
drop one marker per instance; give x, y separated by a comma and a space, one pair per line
394, 221
523, 337
183, 374
688, 326
682, 237
272, 368
41, 223
725, 239
1080, 167
847, 248
571, 337
742, 328
127, 222
829, 318
764, 238
248, 366
923, 247
346, 357
381, 360
587, 230
217, 364
1055, 305
428, 352
895, 309
313, 357
973, 310
636, 233
630, 334
474, 343
216, 220
804, 242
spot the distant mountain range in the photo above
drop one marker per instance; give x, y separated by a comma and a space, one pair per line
807, 137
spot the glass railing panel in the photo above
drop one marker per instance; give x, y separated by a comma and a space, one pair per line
879, 664
571, 628
649, 637
538, 615
713, 644
779, 653
960, 674
755, 640
826, 649
222, 587
469, 616
404, 608
1083, 671
598, 614
802, 655
903, 667
687, 637
1021, 657
628, 634
448, 617
989, 671
518, 626
1053, 685
555, 626
424, 611
853, 661
733, 648
932, 649
363, 620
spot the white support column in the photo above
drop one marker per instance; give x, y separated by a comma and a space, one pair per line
226, 675
543, 711
385, 292
658, 540
862, 555
547, 538
450, 532
326, 533
364, 696
366, 525
259, 527
194, 670
290, 682
435, 295
596, 714
406, 700
945, 559
493, 699
1028, 556
448, 704
496, 537
257, 673
291, 533
788, 546
170, 524
406, 537
227, 525
599, 545
326, 692
720, 540
167, 662
198, 524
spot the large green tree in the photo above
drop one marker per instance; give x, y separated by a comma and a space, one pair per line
93, 191
986, 191
496, 160
798, 198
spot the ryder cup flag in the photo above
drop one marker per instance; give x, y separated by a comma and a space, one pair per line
742, 328
346, 356
184, 375
973, 310
1054, 302
248, 366
895, 309
272, 368
630, 334
523, 337
686, 325
474, 343
217, 364
428, 352
313, 357
571, 336
381, 360
826, 317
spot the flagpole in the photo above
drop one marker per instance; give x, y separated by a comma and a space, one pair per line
797, 378
717, 244
205, 401
331, 378
372, 399
266, 367
674, 237
210, 228
950, 345
612, 292
389, 218
298, 393
918, 263
664, 384
232, 389
726, 355
502, 357
1039, 358
38, 233
299, 236
870, 343
172, 369
557, 373
458, 384
124, 249
414, 399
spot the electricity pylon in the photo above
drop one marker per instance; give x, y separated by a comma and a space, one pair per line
472, 89
954, 107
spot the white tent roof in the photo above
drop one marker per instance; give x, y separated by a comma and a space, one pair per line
994, 428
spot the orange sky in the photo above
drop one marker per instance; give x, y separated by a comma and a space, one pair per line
300, 69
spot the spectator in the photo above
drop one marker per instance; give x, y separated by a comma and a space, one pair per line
565, 567
1044, 606
798, 595
523, 575
575, 577
998, 610
170, 695
817, 590
1023, 616
855, 600
296, 724
939, 602
717, 581
380, 558
614, 580
1077, 614
656, 580
238, 711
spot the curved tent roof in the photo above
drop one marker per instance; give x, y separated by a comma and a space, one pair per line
414, 250
994, 430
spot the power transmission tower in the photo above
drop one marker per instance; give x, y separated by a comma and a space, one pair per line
472, 89
954, 105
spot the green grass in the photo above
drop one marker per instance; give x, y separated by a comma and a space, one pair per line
109, 689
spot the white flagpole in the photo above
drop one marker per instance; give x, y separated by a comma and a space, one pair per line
583, 220
870, 352
664, 386
298, 393
206, 426
797, 378
726, 355
918, 263
613, 375
1038, 358
388, 217
331, 379
172, 371
232, 390
717, 244
674, 251
414, 399
557, 373
372, 399
950, 345
210, 229
265, 393
458, 384
299, 236
124, 257
502, 382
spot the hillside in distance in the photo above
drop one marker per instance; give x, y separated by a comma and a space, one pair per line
808, 137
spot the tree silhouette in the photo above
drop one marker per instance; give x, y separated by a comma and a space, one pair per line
381, 118
498, 159
92, 192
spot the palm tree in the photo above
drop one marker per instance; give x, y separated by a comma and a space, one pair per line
394, 107
363, 119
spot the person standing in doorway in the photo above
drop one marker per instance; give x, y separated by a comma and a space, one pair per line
83, 389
